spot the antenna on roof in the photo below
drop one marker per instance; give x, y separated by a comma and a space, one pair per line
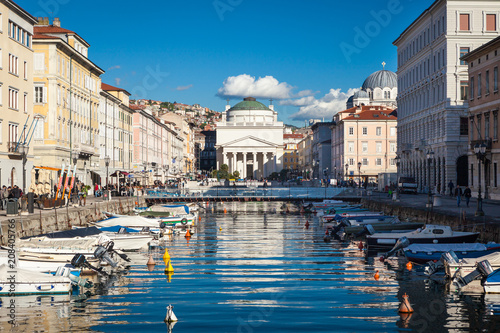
227, 101
271, 101
383, 65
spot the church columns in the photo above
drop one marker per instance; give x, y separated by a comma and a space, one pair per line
255, 166
233, 162
273, 161
244, 165
224, 158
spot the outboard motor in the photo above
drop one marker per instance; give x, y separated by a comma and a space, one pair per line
449, 257
79, 261
482, 271
367, 230
400, 244
101, 253
75, 280
340, 225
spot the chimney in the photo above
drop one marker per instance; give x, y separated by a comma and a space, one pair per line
56, 22
46, 21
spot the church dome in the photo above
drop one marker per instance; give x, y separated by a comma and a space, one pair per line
249, 103
381, 79
360, 94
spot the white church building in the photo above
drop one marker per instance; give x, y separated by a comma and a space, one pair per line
250, 139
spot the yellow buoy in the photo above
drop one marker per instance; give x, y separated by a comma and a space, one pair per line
169, 275
169, 267
220, 228
166, 256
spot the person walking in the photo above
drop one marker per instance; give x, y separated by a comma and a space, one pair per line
467, 195
458, 194
450, 185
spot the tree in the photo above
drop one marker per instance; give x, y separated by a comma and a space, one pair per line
236, 174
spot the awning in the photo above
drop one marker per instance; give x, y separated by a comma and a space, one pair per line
122, 173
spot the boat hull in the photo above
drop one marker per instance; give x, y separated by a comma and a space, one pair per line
385, 242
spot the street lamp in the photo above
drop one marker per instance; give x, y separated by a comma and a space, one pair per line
359, 173
335, 175
106, 161
430, 157
346, 172
398, 161
480, 151
23, 149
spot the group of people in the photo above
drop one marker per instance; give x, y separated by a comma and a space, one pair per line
458, 193
6, 193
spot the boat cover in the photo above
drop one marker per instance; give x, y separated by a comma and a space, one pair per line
462, 247
493, 258
117, 228
28, 276
80, 232
43, 242
172, 209
129, 221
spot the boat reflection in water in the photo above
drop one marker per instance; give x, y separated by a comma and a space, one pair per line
248, 267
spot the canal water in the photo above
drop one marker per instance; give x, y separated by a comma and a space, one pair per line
253, 269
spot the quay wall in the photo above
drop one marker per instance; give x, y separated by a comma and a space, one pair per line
489, 231
45, 221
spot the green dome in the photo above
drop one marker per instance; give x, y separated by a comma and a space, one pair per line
249, 103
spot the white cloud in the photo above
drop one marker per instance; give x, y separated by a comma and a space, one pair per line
114, 67
181, 88
117, 81
304, 93
325, 107
245, 85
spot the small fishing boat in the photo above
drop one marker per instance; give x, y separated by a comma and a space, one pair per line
429, 234
423, 253
384, 226
18, 281
492, 282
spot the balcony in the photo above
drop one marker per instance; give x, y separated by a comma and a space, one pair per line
16, 150
406, 147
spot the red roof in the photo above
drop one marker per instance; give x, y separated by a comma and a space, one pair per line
108, 87
40, 36
293, 136
136, 107
51, 29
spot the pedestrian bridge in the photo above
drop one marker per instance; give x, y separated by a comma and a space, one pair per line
297, 193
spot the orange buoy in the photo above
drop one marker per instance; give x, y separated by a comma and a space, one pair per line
199, 218
225, 210
360, 246
326, 231
188, 234
409, 265
405, 319
151, 261
376, 276
405, 306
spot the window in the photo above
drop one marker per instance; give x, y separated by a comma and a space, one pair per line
491, 22
464, 128
487, 82
464, 22
40, 95
351, 130
393, 131
478, 126
13, 64
286, 159
495, 125
387, 94
365, 130
486, 126
393, 147
495, 175
392, 162
351, 147
471, 89
471, 128
364, 161
25, 101
472, 174
379, 131
351, 161
378, 146
13, 98
464, 89
39, 62
364, 146
25, 70
1, 94
13, 132
479, 85
378, 162
495, 79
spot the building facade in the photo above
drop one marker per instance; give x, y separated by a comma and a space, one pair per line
250, 140
16, 94
66, 98
321, 150
433, 86
364, 143
208, 156
291, 152
484, 103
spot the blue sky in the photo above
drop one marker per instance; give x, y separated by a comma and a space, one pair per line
307, 56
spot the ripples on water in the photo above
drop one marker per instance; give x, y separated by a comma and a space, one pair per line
252, 270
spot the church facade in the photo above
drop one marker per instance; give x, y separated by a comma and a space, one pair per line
250, 140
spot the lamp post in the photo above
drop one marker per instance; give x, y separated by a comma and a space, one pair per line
359, 174
480, 151
346, 173
24, 153
430, 157
335, 175
398, 161
106, 161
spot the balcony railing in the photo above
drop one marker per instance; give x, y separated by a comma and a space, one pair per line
487, 142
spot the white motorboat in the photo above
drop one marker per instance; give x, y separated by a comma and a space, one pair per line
20, 281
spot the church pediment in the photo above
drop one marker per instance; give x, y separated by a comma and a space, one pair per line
249, 141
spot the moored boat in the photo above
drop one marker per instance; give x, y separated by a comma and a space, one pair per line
18, 281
